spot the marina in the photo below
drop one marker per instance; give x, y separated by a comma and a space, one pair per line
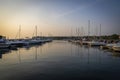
59, 39
59, 57
16, 43
59, 60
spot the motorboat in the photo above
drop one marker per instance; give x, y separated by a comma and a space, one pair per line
116, 47
110, 46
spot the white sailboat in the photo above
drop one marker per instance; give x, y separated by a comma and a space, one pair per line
35, 40
96, 43
18, 42
4, 44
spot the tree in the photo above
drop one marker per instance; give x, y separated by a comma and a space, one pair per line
114, 36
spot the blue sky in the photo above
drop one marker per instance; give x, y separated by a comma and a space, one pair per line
57, 17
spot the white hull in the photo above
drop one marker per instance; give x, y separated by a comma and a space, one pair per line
116, 47
96, 43
4, 45
110, 46
35, 42
18, 43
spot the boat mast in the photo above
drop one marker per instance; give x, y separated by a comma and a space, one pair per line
36, 30
71, 33
88, 28
19, 31
78, 32
82, 31
100, 31
96, 32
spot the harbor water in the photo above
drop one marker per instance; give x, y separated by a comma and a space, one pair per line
59, 60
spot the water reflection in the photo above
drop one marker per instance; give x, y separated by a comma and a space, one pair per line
58, 59
87, 53
58, 48
3, 51
19, 55
116, 54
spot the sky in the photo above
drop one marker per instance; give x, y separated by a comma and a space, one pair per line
59, 17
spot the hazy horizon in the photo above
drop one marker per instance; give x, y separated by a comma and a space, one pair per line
58, 17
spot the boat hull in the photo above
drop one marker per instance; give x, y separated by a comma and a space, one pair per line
116, 48
96, 44
4, 46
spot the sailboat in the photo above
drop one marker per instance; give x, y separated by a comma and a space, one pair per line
35, 40
97, 43
3, 43
18, 42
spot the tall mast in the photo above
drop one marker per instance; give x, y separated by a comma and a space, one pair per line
19, 31
82, 31
96, 32
36, 30
78, 32
71, 32
100, 31
88, 28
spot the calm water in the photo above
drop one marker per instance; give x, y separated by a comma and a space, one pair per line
59, 60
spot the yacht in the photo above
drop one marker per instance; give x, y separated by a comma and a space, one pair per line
18, 42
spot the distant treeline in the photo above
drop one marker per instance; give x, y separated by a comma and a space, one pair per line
108, 37
114, 37
2, 36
